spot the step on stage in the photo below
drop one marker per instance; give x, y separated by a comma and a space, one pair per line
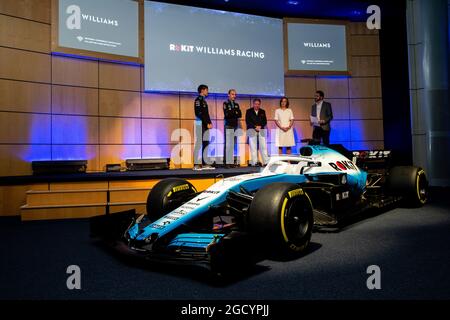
81, 195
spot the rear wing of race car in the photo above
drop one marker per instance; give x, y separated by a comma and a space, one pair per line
372, 160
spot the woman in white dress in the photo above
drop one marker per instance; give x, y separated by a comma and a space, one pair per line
284, 119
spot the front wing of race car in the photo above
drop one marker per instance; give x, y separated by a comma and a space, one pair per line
215, 251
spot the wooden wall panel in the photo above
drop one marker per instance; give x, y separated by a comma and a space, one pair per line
24, 65
76, 72
302, 130
83, 129
333, 87
365, 87
120, 103
341, 108
16, 159
156, 105
38, 10
24, 34
340, 131
364, 45
120, 130
301, 108
368, 66
78, 152
366, 109
119, 76
158, 131
74, 100
24, 128
24, 96
299, 87
157, 150
360, 28
118, 154
363, 130
245, 104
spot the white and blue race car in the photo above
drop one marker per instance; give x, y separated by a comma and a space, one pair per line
274, 210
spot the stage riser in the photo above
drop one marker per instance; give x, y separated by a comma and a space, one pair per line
66, 198
88, 199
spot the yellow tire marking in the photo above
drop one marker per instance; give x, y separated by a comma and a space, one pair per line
417, 184
180, 188
283, 231
296, 192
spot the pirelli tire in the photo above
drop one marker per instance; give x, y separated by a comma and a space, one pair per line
410, 183
281, 217
167, 195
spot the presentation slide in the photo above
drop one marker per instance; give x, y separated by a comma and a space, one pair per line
317, 47
187, 46
107, 26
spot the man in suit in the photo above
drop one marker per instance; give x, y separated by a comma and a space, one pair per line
256, 121
323, 112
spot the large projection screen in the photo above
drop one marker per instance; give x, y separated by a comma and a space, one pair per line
315, 47
104, 29
187, 46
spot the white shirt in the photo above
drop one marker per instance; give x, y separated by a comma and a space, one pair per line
319, 108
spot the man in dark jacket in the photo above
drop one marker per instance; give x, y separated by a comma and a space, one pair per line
232, 113
202, 125
321, 116
256, 121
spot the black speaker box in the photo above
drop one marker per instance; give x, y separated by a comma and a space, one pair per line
147, 164
58, 167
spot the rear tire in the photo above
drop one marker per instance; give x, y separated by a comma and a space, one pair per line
167, 195
409, 182
281, 216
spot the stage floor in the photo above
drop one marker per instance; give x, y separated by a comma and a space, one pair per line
411, 247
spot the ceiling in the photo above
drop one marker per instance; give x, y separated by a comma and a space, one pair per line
354, 10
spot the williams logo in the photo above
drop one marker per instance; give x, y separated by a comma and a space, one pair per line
317, 44
75, 16
216, 51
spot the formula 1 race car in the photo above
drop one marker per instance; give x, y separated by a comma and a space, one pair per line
273, 210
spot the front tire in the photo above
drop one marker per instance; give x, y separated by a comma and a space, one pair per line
281, 216
167, 195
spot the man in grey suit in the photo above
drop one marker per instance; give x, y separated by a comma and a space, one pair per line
322, 114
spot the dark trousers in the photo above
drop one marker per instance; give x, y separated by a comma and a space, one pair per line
321, 135
230, 144
201, 139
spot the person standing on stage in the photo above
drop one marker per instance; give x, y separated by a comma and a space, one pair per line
321, 116
256, 121
202, 125
232, 112
284, 119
